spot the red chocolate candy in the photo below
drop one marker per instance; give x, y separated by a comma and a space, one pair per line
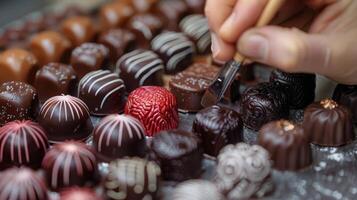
155, 107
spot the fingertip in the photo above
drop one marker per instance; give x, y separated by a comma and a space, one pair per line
221, 51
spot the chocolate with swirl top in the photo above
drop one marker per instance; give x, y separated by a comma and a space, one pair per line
244, 171
263, 103
347, 95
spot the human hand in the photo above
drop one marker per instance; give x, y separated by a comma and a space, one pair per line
329, 48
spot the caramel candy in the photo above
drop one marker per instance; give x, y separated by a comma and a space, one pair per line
78, 29
115, 14
50, 46
17, 65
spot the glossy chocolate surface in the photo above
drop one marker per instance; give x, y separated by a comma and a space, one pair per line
78, 29
172, 12
347, 95
115, 14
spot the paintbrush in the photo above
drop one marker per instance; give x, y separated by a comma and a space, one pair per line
225, 77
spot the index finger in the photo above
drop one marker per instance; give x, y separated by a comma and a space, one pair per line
217, 11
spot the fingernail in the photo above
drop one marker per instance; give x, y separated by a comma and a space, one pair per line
254, 46
215, 45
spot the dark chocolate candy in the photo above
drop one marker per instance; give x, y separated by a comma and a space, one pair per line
54, 79
78, 29
196, 6
17, 65
77, 193
217, 127
22, 143
328, 124
263, 103
70, 164
103, 92
347, 95
18, 101
299, 87
143, 6
13, 35
132, 179
118, 41
175, 49
65, 118
179, 154
115, 14
139, 68
89, 57
287, 144
172, 12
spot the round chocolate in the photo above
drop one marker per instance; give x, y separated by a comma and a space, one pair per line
178, 153
244, 172
172, 12
139, 68
117, 136
300, 88
155, 107
18, 101
115, 14
196, 27
103, 92
263, 103
328, 124
347, 95
54, 79
287, 144
196, 6
118, 41
196, 190
142, 6
89, 57
77, 193
70, 164
132, 179
22, 143
22, 184
50, 46
175, 49
17, 65
78, 29
217, 127
65, 118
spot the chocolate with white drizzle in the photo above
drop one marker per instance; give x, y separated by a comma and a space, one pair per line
103, 92
175, 49
132, 179
140, 67
196, 27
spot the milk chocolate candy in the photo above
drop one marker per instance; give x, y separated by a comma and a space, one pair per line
115, 14
78, 29
172, 12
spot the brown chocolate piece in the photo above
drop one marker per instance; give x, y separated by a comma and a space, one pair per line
78, 30
17, 65
115, 14
50, 46
287, 144
347, 95
172, 12
196, 6
142, 6
328, 124
35, 23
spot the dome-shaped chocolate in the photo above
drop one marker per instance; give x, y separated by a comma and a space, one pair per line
328, 124
288, 145
263, 103
347, 95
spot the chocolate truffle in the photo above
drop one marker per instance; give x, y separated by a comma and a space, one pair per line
145, 27
244, 172
217, 126
263, 103
287, 144
172, 12
328, 124
70, 164
22, 184
50, 46
178, 153
22, 143
65, 118
77, 193
347, 95
115, 14
196, 190
89, 57
17, 65
155, 107
139, 68
299, 87
78, 29
196, 27
132, 179
117, 136
196, 6
103, 92
54, 79
118, 41
18, 101
175, 49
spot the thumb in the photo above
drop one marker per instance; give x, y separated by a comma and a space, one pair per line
288, 49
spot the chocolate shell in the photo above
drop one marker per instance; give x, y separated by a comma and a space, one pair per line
78, 29
287, 144
347, 95
196, 190
178, 153
328, 124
